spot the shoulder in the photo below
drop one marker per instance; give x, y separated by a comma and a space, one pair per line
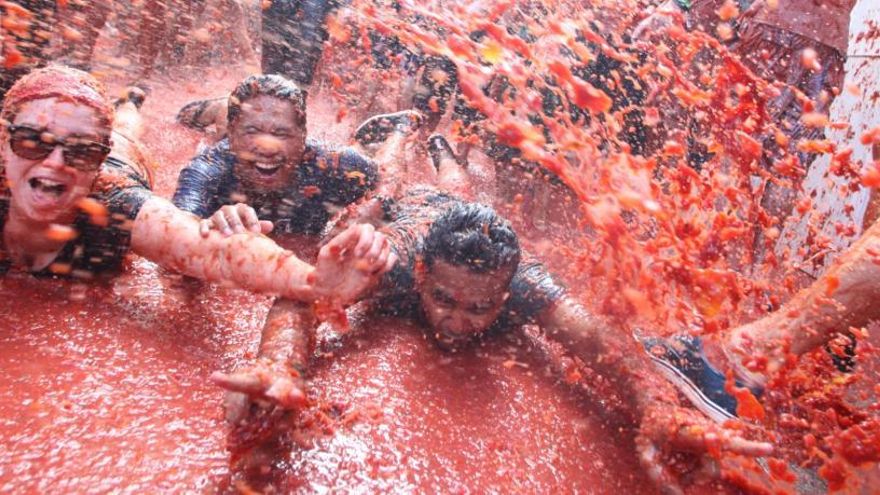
532, 276
120, 188
218, 158
342, 174
533, 291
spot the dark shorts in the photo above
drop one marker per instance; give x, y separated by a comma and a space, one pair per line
294, 32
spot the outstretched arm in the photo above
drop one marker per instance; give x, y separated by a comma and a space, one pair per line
844, 297
171, 238
664, 425
288, 340
603, 348
279, 373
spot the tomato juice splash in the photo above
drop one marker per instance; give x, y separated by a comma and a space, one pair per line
665, 243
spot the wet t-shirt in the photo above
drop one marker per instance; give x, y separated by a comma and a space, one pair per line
325, 178
532, 289
103, 230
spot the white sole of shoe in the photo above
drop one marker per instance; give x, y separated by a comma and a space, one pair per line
691, 391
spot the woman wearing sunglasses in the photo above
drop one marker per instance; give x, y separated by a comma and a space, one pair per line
75, 197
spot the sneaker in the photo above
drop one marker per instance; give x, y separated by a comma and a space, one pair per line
682, 361
439, 149
377, 128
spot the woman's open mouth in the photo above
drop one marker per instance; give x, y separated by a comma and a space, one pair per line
46, 192
48, 186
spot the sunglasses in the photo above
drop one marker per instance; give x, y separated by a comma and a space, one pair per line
36, 144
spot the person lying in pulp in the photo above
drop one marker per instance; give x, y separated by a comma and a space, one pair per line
462, 276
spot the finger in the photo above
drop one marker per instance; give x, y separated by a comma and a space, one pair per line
651, 462
739, 445
238, 382
233, 219
379, 243
220, 222
236, 407
708, 438
286, 393
381, 261
249, 218
266, 226
204, 227
392, 260
365, 242
342, 240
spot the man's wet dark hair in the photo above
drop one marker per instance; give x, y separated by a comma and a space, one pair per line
268, 85
472, 235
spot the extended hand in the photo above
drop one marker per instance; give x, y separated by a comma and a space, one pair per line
265, 381
235, 219
669, 428
351, 263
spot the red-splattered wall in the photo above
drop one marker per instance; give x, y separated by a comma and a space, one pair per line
837, 207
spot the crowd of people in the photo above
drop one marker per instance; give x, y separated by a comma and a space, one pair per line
76, 200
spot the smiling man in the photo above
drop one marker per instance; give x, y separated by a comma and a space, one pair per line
267, 163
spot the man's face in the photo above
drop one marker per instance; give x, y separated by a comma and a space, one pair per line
45, 190
460, 304
268, 143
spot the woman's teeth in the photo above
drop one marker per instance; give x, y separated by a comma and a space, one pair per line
48, 186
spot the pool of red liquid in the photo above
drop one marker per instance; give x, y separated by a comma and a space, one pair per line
105, 394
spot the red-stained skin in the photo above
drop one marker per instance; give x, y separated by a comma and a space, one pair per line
458, 303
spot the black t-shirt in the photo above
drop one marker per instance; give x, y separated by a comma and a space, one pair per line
102, 241
338, 177
532, 289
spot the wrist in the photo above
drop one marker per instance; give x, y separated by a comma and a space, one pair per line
302, 283
293, 369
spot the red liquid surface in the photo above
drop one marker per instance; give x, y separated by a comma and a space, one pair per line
102, 395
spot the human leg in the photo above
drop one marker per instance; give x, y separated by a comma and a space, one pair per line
293, 49
436, 86
201, 114
451, 176
80, 23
